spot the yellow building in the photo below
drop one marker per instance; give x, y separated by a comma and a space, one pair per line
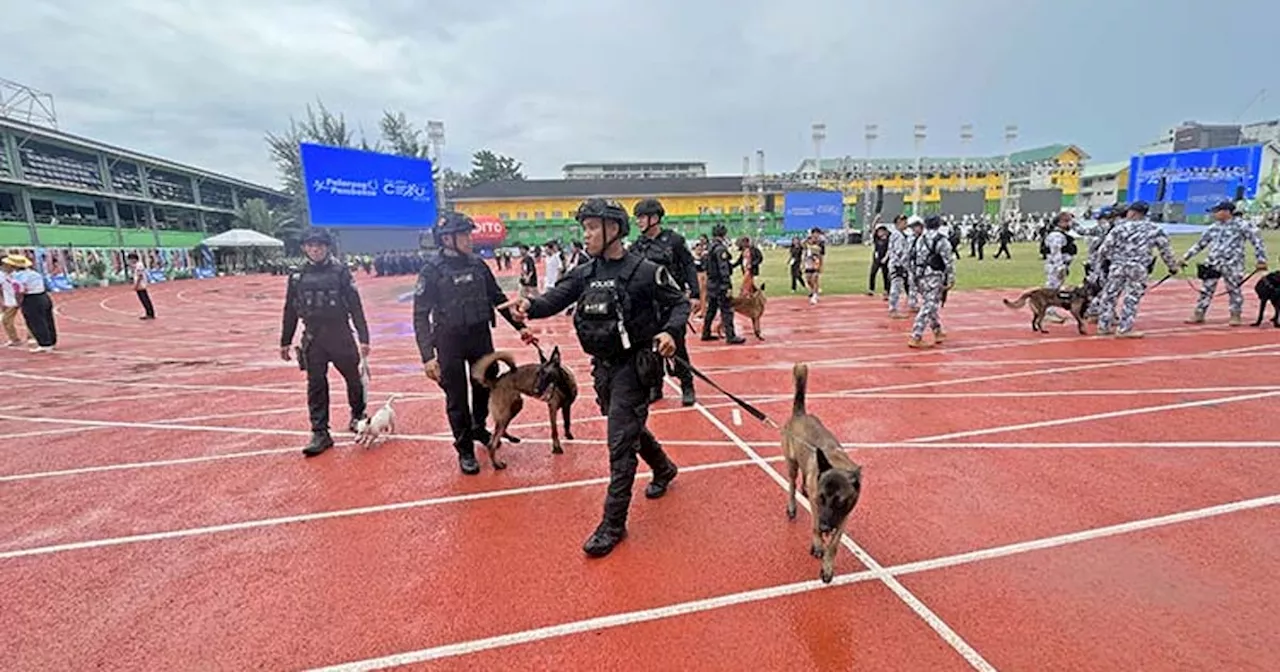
532, 200
540, 210
1049, 167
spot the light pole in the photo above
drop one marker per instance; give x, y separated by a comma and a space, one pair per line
435, 136
872, 132
966, 135
1010, 134
919, 135
819, 134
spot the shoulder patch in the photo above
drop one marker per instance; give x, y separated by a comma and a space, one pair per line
421, 287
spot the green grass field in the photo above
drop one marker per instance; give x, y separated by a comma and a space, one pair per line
847, 266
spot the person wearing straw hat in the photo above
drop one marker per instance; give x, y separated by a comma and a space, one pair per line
37, 307
11, 290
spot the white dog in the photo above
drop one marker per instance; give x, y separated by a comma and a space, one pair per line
381, 424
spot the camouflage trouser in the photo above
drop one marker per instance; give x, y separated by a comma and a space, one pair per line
930, 301
1131, 279
897, 282
1235, 296
1055, 274
913, 290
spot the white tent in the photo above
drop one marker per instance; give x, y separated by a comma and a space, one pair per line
242, 238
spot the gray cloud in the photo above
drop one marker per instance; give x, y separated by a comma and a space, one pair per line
569, 80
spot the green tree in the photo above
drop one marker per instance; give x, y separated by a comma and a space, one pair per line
488, 166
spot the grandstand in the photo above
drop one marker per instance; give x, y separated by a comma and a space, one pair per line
1052, 167
59, 189
535, 211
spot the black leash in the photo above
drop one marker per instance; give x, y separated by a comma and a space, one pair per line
746, 406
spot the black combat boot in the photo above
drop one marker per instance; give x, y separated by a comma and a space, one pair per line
320, 442
467, 456
661, 479
687, 398
602, 541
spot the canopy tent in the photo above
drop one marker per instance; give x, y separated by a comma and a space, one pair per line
241, 238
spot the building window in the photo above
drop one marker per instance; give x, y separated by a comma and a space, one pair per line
538, 214
522, 215
557, 214
504, 216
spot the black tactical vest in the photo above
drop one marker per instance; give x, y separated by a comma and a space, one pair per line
462, 298
602, 310
318, 294
719, 267
658, 250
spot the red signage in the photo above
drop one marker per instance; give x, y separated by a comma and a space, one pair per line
490, 231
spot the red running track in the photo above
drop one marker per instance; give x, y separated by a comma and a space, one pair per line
1047, 502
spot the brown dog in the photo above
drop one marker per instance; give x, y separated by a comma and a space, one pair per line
1043, 298
547, 380
749, 305
831, 481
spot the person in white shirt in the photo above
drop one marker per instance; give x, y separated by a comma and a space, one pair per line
37, 307
554, 264
140, 286
10, 289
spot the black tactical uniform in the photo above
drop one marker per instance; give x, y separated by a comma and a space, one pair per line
323, 294
452, 316
621, 306
668, 249
719, 286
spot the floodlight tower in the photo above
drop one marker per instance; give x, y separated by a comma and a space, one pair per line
1010, 134
966, 136
819, 135
435, 136
871, 133
919, 137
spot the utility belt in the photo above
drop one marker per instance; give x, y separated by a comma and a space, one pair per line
898, 271
1207, 272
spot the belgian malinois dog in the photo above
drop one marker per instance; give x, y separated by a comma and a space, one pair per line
547, 380
1043, 298
830, 480
750, 305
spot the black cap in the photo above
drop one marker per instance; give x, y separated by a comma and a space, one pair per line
315, 235
1139, 207
1224, 205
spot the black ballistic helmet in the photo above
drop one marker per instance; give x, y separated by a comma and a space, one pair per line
319, 236
1139, 207
719, 231
649, 206
606, 209
452, 222
933, 222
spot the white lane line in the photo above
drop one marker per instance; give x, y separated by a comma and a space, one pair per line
939, 626
761, 594
339, 513
1095, 416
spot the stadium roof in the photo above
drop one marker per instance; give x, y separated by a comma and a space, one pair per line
1104, 169
93, 145
661, 186
1036, 154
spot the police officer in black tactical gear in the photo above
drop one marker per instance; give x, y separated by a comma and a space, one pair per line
323, 294
719, 287
667, 248
452, 315
629, 312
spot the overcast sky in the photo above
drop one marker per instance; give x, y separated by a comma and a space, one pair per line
557, 81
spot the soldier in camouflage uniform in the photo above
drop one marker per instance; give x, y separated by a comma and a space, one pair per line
935, 271
898, 266
1094, 271
1225, 240
912, 235
1061, 250
1128, 248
